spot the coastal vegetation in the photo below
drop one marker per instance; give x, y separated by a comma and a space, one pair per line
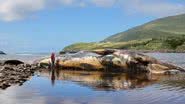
172, 43
164, 27
165, 34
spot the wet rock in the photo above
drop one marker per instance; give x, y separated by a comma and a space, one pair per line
10, 62
15, 74
4, 85
2, 53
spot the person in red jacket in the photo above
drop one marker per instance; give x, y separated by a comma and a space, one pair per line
52, 59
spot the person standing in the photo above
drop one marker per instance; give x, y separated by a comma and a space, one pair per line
53, 59
53, 68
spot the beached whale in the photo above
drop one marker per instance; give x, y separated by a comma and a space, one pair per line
113, 60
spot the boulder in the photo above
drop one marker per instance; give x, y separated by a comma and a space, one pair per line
11, 62
15, 74
2, 53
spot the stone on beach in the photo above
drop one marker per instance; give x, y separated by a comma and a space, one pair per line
2, 53
13, 72
11, 62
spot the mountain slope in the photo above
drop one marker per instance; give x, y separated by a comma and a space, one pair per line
162, 34
164, 27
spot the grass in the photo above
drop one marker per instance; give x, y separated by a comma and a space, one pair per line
164, 27
106, 45
176, 43
162, 34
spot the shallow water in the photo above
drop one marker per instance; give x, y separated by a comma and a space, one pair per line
173, 58
78, 87
27, 58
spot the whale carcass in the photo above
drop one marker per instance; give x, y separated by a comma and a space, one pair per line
113, 60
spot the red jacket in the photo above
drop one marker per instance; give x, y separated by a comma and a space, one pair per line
52, 57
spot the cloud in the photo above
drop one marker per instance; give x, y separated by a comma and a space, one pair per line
11, 10
156, 8
67, 2
104, 3
17, 9
76, 3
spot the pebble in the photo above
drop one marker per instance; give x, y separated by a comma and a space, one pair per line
12, 74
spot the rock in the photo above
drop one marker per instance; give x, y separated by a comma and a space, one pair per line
2, 53
4, 85
10, 62
44, 63
15, 74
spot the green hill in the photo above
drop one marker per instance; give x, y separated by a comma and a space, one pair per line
106, 45
162, 34
164, 27
171, 44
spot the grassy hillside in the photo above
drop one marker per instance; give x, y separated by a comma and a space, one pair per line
162, 34
164, 27
107, 45
175, 43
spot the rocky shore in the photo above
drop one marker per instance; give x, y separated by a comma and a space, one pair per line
2, 53
14, 72
112, 60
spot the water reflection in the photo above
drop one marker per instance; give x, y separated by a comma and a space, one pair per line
83, 87
53, 77
53, 73
102, 80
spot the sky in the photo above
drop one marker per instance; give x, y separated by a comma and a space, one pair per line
50, 25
